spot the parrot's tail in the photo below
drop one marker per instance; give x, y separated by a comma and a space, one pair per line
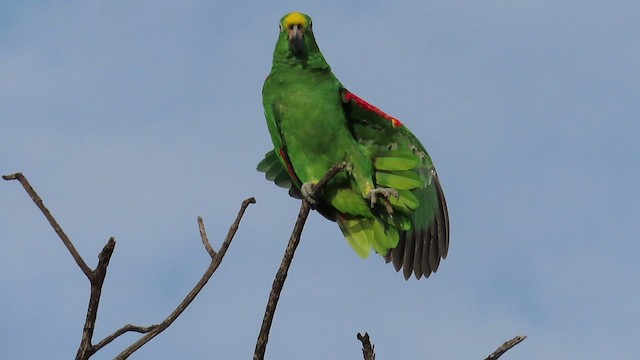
366, 233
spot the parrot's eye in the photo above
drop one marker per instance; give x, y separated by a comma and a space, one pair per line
310, 25
280, 27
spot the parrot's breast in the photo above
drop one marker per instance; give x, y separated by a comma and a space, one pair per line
313, 127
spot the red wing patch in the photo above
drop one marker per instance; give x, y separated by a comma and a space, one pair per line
292, 173
349, 96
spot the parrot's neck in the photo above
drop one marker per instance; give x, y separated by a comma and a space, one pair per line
287, 61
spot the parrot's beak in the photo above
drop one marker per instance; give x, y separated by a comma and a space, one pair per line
296, 38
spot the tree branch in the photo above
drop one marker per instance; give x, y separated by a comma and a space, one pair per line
96, 278
205, 239
54, 224
123, 330
367, 347
368, 353
281, 275
505, 347
216, 260
86, 349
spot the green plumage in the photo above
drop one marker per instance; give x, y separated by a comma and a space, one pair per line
314, 123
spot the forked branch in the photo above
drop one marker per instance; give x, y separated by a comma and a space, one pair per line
216, 260
96, 278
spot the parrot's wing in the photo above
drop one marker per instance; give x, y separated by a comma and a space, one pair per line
279, 153
278, 168
427, 241
275, 171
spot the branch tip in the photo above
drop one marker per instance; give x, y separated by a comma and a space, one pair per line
15, 176
367, 347
216, 260
506, 346
205, 239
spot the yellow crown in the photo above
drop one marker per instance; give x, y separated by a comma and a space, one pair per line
295, 18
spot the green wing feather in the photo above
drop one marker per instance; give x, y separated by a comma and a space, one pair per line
275, 171
274, 163
402, 163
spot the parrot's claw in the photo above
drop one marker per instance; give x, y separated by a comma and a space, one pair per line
307, 189
385, 193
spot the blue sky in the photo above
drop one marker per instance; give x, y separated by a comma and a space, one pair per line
131, 119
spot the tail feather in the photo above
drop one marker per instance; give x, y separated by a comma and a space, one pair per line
363, 234
395, 161
358, 233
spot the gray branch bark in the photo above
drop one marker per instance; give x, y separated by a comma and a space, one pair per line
281, 275
505, 347
96, 278
367, 347
369, 354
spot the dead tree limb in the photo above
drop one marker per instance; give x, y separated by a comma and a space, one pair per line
86, 349
96, 278
368, 353
367, 347
505, 347
54, 224
281, 275
216, 260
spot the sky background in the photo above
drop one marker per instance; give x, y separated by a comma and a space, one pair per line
132, 118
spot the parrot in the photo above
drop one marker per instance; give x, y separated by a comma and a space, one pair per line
389, 197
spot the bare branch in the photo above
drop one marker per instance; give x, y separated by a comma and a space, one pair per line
281, 275
86, 349
97, 276
369, 354
213, 266
367, 347
505, 347
123, 330
54, 224
205, 239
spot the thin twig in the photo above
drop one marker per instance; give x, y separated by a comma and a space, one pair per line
205, 239
505, 347
281, 275
125, 329
54, 224
367, 347
215, 262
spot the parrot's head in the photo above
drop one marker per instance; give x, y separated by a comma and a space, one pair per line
295, 27
296, 43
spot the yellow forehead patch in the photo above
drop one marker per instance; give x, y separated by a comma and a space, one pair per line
295, 18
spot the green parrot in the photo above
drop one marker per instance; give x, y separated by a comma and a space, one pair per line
389, 196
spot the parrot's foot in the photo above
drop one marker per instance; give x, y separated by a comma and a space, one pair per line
307, 189
385, 193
